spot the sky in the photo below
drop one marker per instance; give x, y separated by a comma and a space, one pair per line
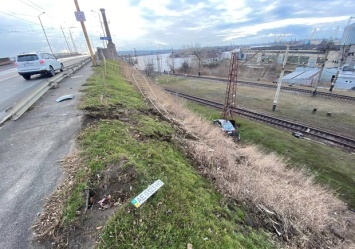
167, 24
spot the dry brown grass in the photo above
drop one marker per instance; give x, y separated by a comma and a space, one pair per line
50, 219
299, 208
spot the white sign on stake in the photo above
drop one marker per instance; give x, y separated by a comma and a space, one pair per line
148, 192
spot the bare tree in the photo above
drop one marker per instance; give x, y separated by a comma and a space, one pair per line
148, 65
185, 66
170, 61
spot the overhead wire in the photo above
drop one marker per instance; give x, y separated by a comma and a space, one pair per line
14, 13
13, 31
35, 5
36, 8
19, 18
26, 20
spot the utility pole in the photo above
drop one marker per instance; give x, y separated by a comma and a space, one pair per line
111, 47
344, 55
279, 82
45, 31
135, 57
199, 63
65, 39
231, 89
93, 59
314, 93
158, 63
72, 40
102, 27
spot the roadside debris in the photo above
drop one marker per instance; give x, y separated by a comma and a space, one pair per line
148, 192
277, 231
262, 207
65, 97
106, 202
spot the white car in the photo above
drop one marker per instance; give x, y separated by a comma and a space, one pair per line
37, 63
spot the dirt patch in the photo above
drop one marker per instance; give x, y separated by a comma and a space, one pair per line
107, 112
110, 189
113, 189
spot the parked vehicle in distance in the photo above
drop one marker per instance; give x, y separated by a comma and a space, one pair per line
37, 63
228, 126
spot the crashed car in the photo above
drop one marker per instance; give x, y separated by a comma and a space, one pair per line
228, 126
297, 134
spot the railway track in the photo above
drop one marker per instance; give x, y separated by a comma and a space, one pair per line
307, 130
285, 88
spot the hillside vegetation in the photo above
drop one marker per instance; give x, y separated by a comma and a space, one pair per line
216, 193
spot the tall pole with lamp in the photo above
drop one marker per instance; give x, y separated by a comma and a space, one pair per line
69, 50
102, 27
72, 40
44, 31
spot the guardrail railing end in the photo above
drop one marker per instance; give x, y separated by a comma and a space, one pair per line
5, 119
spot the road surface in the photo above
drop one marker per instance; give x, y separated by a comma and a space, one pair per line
30, 150
14, 87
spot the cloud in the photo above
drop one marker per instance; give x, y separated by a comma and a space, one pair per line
169, 23
255, 29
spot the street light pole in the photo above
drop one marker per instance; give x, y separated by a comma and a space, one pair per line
102, 27
45, 32
66, 40
279, 82
72, 40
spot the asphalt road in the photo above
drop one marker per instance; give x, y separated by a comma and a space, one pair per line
14, 87
30, 150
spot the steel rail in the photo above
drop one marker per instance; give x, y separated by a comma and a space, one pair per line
286, 88
307, 130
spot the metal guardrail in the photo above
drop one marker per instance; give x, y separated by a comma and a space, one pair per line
18, 108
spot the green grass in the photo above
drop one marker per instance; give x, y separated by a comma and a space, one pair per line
111, 92
187, 209
331, 166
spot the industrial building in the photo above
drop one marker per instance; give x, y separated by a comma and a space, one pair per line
339, 66
346, 78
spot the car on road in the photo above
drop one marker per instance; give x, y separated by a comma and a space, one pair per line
228, 126
37, 63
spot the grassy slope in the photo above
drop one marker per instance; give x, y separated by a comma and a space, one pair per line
187, 209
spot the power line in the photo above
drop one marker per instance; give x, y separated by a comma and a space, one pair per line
35, 4
22, 14
47, 27
38, 8
33, 31
32, 6
18, 17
